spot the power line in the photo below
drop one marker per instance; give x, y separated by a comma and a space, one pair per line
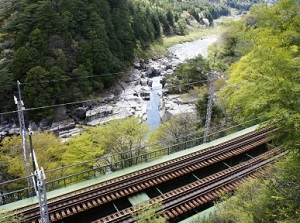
8, 113
164, 142
95, 99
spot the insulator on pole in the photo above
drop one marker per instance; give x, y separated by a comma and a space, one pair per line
209, 105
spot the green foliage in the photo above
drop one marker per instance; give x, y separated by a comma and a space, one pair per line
40, 92
10, 217
147, 213
201, 109
178, 129
190, 74
48, 149
7, 88
82, 88
232, 44
82, 39
242, 5
181, 27
266, 80
125, 137
86, 146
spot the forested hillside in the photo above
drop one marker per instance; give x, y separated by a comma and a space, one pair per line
63, 51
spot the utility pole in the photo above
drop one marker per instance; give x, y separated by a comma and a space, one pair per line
209, 105
37, 179
21, 108
39, 182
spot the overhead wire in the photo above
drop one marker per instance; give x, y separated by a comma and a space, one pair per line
162, 142
166, 141
98, 98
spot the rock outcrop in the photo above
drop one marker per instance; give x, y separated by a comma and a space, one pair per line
130, 97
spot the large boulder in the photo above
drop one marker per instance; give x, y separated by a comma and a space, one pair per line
144, 82
80, 113
145, 94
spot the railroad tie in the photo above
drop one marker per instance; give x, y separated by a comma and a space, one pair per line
78, 208
108, 198
207, 198
211, 197
179, 210
90, 205
106, 219
52, 218
163, 178
174, 212
121, 193
84, 206
186, 207
74, 210
131, 190
57, 215
168, 215
94, 202
153, 181
229, 187
68, 211
63, 213
117, 194
99, 201
126, 191
104, 199
143, 186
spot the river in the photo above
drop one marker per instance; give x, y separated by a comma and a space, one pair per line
130, 102
183, 52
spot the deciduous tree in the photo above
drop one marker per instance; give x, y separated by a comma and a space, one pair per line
126, 137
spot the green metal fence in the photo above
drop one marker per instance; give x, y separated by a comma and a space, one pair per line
108, 163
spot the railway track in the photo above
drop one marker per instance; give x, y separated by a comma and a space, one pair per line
102, 193
195, 194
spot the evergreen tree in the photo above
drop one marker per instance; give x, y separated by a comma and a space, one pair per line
123, 30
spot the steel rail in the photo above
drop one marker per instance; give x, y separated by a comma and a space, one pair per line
205, 190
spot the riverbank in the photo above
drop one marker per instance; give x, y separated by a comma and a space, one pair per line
133, 96
161, 48
196, 34
142, 95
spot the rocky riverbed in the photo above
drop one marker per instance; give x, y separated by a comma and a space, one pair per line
140, 95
